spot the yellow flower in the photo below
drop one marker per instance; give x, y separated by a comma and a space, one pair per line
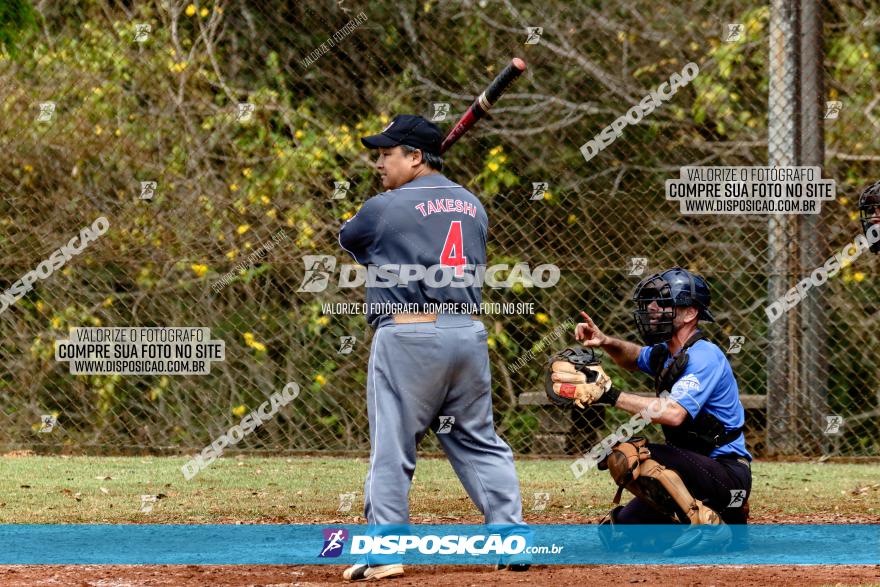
572, 218
844, 200
98, 130
542, 318
28, 168
853, 215
243, 228
233, 187
232, 254
347, 215
199, 270
239, 410
496, 150
859, 276
248, 338
258, 346
56, 322
320, 379
324, 320
203, 12
265, 200
40, 306
502, 159
107, 302
492, 166
273, 213
548, 196
218, 9
191, 10
118, 132
298, 134
343, 128
247, 172
384, 118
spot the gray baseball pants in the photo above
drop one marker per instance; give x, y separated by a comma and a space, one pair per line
420, 375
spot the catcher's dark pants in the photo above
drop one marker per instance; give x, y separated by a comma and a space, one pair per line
716, 482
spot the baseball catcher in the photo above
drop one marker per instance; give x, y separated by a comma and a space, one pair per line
869, 210
701, 476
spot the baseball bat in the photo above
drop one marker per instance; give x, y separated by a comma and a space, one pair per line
484, 102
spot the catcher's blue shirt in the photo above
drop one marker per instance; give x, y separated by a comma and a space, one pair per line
430, 222
707, 384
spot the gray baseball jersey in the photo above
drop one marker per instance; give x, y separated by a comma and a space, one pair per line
430, 222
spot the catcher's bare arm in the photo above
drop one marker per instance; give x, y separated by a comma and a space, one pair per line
625, 354
662, 410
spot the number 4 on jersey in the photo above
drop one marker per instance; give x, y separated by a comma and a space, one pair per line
453, 249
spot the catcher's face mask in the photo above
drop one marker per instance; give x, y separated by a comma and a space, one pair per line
655, 310
869, 210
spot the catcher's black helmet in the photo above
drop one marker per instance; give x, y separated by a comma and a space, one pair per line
869, 210
672, 288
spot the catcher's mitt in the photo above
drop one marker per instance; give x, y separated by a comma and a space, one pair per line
574, 376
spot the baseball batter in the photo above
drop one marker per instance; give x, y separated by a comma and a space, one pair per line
702, 475
427, 370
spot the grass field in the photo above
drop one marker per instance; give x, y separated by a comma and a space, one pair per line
42, 489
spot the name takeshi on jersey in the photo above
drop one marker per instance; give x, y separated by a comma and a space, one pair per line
447, 205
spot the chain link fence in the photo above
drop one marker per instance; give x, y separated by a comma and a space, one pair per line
220, 140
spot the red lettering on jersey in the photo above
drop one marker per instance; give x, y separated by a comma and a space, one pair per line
421, 208
431, 208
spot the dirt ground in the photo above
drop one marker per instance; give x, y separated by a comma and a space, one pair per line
460, 576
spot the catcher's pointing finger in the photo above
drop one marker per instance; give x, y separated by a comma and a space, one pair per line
588, 333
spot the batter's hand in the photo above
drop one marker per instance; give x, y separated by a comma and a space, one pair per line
588, 334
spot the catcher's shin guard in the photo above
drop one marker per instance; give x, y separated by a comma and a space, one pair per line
632, 467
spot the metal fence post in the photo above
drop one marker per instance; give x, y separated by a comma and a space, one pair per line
782, 146
813, 354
